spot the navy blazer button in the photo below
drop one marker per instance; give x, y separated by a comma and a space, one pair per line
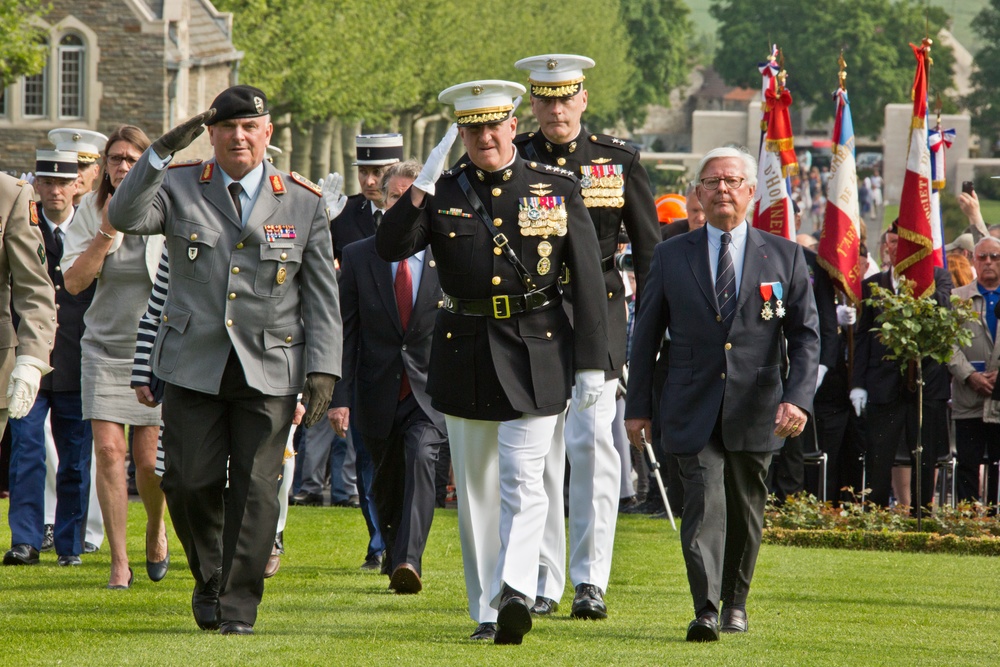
729, 346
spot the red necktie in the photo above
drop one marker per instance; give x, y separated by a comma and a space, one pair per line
404, 302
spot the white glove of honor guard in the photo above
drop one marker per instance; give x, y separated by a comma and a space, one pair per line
846, 315
820, 374
333, 193
588, 388
24, 382
859, 399
435, 162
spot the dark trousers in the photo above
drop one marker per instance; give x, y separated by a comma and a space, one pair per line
975, 439
236, 436
365, 468
886, 424
832, 422
722, 523
74, 444
786, 475
404, 482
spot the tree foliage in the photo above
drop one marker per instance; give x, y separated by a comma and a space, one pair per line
983, 102
21, 53
875, 37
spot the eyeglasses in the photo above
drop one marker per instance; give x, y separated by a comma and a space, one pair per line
116, 160
732, 183
994, 256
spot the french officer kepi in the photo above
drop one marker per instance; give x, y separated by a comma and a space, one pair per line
504, 354
251, 314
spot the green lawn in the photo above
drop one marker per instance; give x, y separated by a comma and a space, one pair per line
808, 607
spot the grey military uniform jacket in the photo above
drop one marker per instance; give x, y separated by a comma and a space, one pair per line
267, 290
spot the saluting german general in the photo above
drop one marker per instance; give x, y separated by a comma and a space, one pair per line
504, 353
251, 313
615, 191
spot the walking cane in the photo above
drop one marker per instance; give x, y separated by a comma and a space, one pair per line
653, 463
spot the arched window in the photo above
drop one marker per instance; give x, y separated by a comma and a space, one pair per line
34, 99
71, 77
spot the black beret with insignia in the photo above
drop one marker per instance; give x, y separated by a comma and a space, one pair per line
239, 102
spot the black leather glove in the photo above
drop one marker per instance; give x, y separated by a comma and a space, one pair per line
181, 136
316, 396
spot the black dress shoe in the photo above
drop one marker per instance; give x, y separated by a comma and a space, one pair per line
405, 580
306, 498
734, 620
48, 538
157, 570
544, 606
705, 628
589, 603
66, 561
373, 563
513, 617
484, 632
205, 602
235, 628
21, 554
629, 502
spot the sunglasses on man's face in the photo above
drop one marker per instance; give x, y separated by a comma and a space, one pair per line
994, 256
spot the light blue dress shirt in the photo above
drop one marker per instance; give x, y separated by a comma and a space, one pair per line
737, 250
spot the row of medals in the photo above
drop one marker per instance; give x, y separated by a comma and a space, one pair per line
537, 221
603, 191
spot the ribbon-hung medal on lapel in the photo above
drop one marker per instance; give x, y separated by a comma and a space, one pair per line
766, 292
778, 292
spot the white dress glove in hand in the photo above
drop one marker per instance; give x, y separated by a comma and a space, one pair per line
859, 399
333, 193
23, 386
820, 374
435, 162
588, 388
846, 315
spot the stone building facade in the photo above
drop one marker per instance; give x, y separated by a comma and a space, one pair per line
149, 63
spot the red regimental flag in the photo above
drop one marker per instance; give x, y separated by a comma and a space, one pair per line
914, 258
772, 200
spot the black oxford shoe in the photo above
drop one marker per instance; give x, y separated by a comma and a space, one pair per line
705, 628
306, 498
235, 628
21, 554
734, 620
513, 617
589, 603
67, 561
205, 602
484, 632
544, 606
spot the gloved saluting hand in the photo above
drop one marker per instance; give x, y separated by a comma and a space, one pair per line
316, 396
436, 161
588, 387
181, 136
24, 382
333, 193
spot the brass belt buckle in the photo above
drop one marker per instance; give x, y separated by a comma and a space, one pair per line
501, 307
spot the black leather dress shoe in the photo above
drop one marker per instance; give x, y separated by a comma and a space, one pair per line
373, 563
705, 628
734, 620
513, 617
484, 632
66, 561
589, 603
306, 498
235, 628
205, 602
158, 570
544, 606
21, 554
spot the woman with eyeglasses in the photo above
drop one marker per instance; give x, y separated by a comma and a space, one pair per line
124, 267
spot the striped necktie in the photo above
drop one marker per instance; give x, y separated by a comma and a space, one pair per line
725, 281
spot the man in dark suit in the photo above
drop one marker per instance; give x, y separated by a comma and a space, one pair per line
56, 183
251, 319
389, 311
887, 392
504, 354
732, 296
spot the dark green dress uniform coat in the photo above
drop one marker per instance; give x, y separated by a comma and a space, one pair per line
500, 369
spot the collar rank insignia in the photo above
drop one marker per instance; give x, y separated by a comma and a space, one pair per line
206, 172
306, 183
277, 185
617, 141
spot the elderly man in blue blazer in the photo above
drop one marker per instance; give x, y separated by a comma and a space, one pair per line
737, 302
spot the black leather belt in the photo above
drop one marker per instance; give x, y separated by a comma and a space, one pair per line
502, 306
607, 264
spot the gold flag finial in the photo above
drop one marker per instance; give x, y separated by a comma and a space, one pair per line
842, 74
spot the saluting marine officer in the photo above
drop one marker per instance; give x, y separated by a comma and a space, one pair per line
615, 191
252, 313
504, 353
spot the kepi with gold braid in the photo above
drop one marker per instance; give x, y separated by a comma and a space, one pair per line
482, 102
555, 75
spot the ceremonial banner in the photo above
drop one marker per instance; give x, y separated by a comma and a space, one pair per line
840, 241
914, 258
938, 141
776, 162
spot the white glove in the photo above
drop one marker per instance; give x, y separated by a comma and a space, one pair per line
517, 103
436, 161
23, 385
859, 398
820, 374
29, 177
333, 193
588, 388
846, 315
